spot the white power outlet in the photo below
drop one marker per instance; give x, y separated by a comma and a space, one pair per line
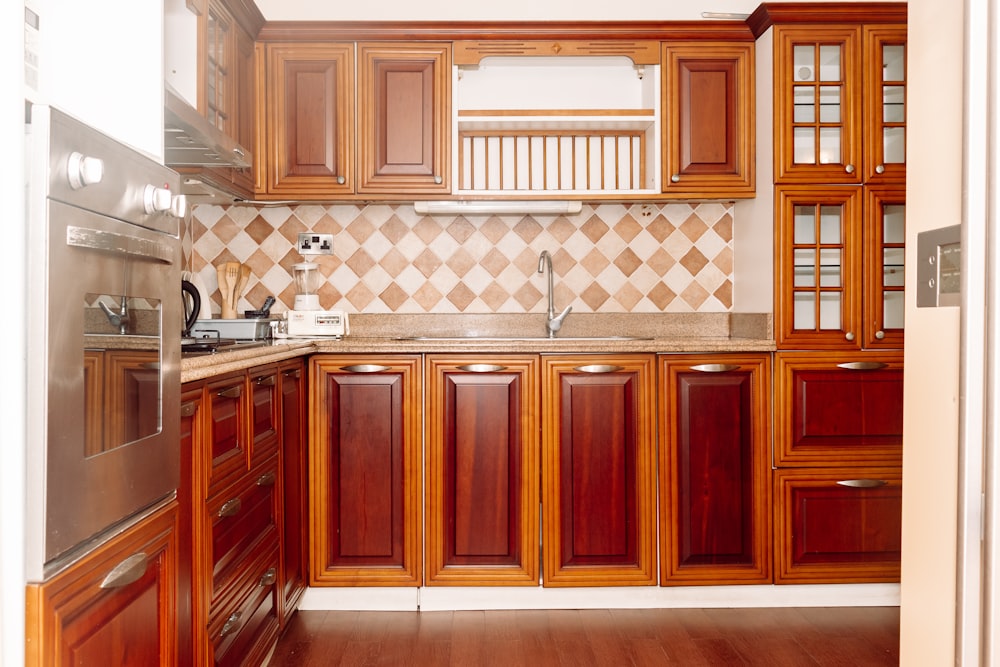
315, 244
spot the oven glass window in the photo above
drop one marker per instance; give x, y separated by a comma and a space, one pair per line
121, 355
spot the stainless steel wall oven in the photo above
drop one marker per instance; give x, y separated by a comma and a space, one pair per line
104, 325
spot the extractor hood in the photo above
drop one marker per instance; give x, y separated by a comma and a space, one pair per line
189, 140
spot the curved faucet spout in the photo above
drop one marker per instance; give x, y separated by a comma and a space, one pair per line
553, 322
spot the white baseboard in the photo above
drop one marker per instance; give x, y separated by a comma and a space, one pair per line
455, 598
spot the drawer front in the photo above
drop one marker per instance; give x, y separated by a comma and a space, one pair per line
839, 410
243, 632
264, 407
226, 451
241, 517
838, 526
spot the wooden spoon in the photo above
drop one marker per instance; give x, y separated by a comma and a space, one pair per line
224, 288
241, 283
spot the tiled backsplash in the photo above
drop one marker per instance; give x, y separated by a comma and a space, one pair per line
609, 258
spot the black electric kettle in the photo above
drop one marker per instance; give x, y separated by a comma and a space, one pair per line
191, 299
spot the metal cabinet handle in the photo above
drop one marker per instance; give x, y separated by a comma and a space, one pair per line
862, 365
849, 335
188, 409
849, 168
268, 578
438, 180
232, 392
231, 623
267, 479
863, 483
364, 368
879, 335
294, 374
676, 178
126, 572
482, 368
231, 507
341, 180
880, 169
266, 380
715, 368
599, 368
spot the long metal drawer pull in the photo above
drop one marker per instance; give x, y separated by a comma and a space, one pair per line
482, 368
599, 368
266, 380
715, 368
365, 368
863, 483
231, 507
268, 578
126, 572
188, 409
232, 392
125, 244
294, 373
231, 623
267, 479
862, 365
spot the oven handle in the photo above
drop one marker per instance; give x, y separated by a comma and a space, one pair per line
96, 239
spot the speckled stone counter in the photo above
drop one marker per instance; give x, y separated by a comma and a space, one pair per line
582, 333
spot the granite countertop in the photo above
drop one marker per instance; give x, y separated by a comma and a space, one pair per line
440, 333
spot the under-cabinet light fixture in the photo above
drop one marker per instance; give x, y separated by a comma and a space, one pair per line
725, 15
498, 207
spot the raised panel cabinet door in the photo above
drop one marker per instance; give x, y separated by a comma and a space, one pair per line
116, 606
225, 451
310, 118
818, 267
265, 413
838, 526
365, 470
598, 470
482, 470
245, 113
708, 138
818, 104
294, 467
404, 127
885, 103
838, 409
884, 279
714, 469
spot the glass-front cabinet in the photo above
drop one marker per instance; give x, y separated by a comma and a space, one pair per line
840, 104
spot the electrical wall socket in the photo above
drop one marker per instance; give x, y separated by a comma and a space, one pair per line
315, 244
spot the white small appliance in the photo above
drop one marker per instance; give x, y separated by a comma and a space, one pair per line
306, 276
314, 323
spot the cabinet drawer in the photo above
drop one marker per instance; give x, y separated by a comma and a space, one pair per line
241, 517
226, 451
838, 525
243, 633
264, 406
838, 409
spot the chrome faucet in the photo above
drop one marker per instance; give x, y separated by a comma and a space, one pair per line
120, 319
553, 322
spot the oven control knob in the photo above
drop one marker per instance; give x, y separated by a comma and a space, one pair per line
179, 206
83, 170
157, 200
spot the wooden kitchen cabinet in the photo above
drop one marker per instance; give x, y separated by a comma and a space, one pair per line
838, 525
404, 117
225, 451
482, 469
840, 96
838, 409
708, 127
265, 413
365, 470
598, 470
714, 469
294, 465
309, 115
115, 606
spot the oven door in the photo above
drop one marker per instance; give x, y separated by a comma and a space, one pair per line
113, 369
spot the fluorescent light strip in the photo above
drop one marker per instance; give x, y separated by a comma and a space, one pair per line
498, 207
725, 15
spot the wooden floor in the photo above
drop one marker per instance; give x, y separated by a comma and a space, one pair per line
852, 636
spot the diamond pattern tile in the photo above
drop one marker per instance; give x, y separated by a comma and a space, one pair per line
612, 257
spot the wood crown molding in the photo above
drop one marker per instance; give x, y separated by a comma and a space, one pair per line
778, 13
320, 31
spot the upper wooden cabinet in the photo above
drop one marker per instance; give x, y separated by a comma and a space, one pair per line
708, 131
404, 107
309, 118
840, 103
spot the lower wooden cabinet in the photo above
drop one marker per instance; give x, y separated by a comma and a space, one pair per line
482, 471
838, 525
115, 606
714, 469
598, 470
365, 470
294, 575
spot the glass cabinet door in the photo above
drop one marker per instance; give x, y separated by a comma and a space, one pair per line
885, 228
817, 105
885, 101
816, 303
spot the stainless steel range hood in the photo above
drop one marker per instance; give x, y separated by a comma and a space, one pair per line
189, 140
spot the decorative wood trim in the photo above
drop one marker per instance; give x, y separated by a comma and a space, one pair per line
583, 113
503, 30
773, 13
645, 52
